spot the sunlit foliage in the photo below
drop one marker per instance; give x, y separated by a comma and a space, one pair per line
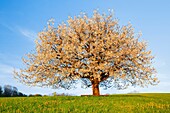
93, 49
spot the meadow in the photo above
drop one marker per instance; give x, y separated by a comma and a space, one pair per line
120, 103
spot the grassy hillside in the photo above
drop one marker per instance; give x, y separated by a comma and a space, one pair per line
130, 103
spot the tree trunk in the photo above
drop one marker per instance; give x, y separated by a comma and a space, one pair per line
95, 87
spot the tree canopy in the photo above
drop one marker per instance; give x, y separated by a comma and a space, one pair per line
95, 50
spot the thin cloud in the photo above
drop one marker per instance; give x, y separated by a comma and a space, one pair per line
31, 35
6, 69
9, 27
28, 34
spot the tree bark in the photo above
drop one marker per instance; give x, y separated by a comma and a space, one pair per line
95, 87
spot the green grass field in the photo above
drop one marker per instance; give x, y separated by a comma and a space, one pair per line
130, 103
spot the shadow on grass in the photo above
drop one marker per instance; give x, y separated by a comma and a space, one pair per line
116, 95
131, 95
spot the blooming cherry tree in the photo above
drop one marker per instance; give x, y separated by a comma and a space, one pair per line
95, 50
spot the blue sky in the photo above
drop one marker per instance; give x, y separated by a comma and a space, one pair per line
21, 20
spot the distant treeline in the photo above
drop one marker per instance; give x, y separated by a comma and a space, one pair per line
10, 91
